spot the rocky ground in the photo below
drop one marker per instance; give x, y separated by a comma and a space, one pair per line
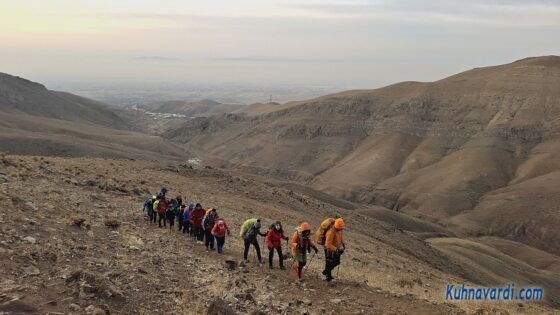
73, 240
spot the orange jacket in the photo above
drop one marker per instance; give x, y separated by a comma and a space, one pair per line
305, 242
333, 240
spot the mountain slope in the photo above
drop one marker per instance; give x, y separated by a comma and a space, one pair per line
435, 150
39, 121
50, 262
201, 108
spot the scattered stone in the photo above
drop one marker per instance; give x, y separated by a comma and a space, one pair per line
78, 221
74, 307
31, 271
231, 264
29, 206
30, 239
336, 301
112, 223
220, 307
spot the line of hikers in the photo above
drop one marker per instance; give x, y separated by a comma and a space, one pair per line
206, 226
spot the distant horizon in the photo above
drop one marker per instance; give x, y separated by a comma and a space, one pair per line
353, 43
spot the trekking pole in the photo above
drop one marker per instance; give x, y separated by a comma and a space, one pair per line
310, 261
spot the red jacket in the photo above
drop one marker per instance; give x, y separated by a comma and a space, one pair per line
220, 231
274, 238
196, 217
162, 206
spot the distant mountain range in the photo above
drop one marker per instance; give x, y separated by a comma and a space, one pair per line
478, 151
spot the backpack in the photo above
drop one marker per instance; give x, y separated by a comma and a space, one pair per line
321, 233
246, 226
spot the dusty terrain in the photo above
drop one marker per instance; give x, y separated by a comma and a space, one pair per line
476, 152
202, 108
39, 121
52, 265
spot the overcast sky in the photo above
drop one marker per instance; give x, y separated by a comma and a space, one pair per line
342, 43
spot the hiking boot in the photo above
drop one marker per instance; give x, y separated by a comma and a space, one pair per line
331, 282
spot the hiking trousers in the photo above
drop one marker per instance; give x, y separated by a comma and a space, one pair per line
220, 241
199, 233
255, 243
187, 227
153, 216
180, 222
209, 238
271, 256
162, 218
333, 260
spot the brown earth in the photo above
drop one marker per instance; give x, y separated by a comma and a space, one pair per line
476, 152
72, 234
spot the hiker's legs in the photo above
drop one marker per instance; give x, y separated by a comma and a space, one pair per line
270, 256
199, 234
280, 256
180, 223
171, 222
333, 260
209, 239
220, 244
257, 248
326, 261
247, 243
298, 267
161, 217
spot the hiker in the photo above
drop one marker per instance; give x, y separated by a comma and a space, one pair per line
301, 245
196, 217
321, 235
335, 247
219, 232
208, 223
186, 219
171, 212
179, 212
161, 205
163, 191
249, 232
274, 239
149, 206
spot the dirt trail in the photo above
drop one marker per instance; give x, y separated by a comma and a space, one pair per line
59, 257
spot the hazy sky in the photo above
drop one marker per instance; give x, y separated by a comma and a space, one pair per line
342, 43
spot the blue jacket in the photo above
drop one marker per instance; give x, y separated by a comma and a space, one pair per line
187, 213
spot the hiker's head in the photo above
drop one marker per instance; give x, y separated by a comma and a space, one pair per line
339, 224
278, 225
305, 229
180, 198
258, 224
337, 216
221, 223
164, 190
198, 206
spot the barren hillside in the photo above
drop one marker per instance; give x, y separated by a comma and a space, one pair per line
202, 108
36, 120
59, 255
462, 151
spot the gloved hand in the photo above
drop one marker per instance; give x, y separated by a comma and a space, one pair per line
316, 250
340, 250
228, 233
